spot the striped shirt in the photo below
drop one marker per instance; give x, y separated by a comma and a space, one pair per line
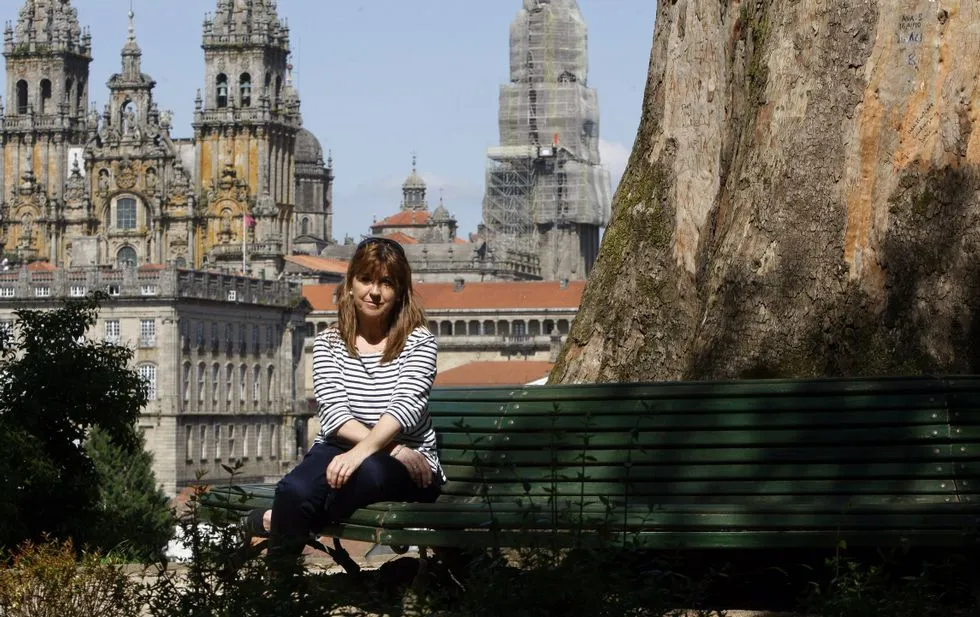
361, 388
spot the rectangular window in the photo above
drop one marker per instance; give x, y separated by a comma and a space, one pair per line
148, 333
215, 336
214, 384
245, 442
149, 290
273, 441
77, 291
6, 333
7, 292
188, 443
148, 373
112, 330
199, 334
126, 213
256, 378
42, 292
268, 337
258, 441
255, 339
204, 443
231, 441
217, 442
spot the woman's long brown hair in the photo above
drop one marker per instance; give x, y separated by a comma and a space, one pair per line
375, 260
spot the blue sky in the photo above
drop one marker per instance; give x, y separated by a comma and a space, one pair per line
384, 78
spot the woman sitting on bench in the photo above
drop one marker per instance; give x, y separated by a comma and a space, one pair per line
372, 375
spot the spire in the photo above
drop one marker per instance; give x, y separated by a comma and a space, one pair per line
132, 74
131, 52
246, 22
413, 189
51, 25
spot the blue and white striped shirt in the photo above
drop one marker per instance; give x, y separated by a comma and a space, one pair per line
361, 388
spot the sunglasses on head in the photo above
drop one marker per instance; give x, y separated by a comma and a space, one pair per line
382, 241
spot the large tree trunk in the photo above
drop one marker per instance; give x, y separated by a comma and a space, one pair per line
802, 198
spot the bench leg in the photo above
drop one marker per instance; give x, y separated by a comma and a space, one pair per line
412, 601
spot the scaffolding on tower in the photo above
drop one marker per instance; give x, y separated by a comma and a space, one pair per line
546, 170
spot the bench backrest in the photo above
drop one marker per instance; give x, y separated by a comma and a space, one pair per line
839, 441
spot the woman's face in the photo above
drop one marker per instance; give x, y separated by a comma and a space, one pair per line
374, 295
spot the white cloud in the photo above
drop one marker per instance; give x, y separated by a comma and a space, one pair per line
614, 157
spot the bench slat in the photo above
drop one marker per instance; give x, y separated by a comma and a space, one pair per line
618, 421
680, 539
671, 472
770, 456
709, 438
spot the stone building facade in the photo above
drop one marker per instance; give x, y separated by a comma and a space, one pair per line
222, 356
433, 248
83, 188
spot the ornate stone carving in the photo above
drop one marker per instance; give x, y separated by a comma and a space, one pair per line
126, 176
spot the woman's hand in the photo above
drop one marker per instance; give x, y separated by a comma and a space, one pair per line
343, 466
417, 465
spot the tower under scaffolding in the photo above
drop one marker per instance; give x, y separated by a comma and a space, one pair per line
545, 186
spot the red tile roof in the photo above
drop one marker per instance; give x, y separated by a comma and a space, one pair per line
405, 218
401, 238
503, 373
318, 264
500, 295
459, 241
40, 266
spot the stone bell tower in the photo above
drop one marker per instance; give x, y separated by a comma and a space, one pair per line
47, 58
245, 128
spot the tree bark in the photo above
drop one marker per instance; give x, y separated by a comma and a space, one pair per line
803, 198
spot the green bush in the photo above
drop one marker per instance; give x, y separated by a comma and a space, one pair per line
53, 579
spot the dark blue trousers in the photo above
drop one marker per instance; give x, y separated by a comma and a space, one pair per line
304, 502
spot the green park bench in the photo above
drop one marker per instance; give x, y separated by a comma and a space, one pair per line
756, 464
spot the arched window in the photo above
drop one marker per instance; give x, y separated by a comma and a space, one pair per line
126, 213
245, 89
222, 91
215, 374
305, 226
256, 381
148, 373
270, 385
186, 385
242, 388
229, 385
80, 96
69, 99
200, 383
46, 96
126, 257
268, 83
22, 97
278, 87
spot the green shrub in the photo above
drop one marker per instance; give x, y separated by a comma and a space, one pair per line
51, 579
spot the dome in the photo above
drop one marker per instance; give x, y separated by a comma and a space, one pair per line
441, 214
414, 181
307, 149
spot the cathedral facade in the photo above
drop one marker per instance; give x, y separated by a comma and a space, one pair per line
82, 188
